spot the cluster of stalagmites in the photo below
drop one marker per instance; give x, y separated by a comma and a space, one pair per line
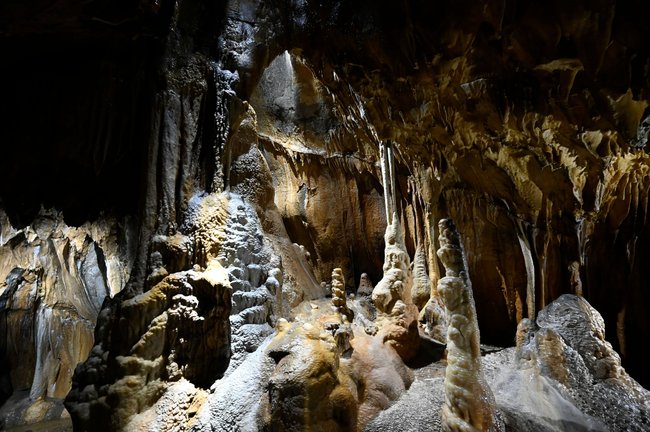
338, 364
202, 348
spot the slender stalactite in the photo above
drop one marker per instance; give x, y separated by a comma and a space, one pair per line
526, 252
388, 179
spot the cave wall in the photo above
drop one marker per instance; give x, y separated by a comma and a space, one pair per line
526, 116
526, 124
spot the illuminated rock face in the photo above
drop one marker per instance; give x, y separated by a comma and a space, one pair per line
55, 279
252, 149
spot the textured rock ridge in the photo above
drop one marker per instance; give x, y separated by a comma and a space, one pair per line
179, 328
469, 402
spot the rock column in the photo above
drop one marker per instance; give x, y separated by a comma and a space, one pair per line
469, 403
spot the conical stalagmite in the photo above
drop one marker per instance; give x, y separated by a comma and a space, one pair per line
469, 403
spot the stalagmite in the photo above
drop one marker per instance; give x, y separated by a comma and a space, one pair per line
433, 313
338, 294
365, 285
175, 196
398, 279
469, 403
392, 296
421, 282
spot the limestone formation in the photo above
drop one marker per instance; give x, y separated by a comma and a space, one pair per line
309, 388
53, 281
387, 162
178, 177
435, 319
469, 403
564, 375
307, 380
365, 287
339, 298
397, 282
421, 291
397, 321
178, 329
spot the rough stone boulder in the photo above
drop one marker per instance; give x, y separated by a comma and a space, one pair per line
178, 329
571, 377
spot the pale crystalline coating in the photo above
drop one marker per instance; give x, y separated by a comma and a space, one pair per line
469, 403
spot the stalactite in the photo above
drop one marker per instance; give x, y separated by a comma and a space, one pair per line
526, 252
393, 177
386, 175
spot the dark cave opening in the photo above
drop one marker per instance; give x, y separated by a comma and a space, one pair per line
75, 114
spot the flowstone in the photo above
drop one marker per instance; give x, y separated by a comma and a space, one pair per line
53, 281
